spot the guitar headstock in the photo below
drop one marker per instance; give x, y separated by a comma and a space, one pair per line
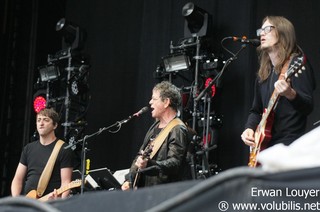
296, 67
75, 183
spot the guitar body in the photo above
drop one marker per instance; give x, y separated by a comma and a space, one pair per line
262, 136
32, 194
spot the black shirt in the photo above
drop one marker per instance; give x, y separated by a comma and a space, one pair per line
290, 116
35, 157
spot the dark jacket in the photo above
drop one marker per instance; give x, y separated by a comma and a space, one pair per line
169, 163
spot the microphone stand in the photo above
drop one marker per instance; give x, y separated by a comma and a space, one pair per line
195, 86
205, 133
84, 148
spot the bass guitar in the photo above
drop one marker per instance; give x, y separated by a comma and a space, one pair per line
33, 193
262, 134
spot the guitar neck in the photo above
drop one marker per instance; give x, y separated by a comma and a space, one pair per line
59, 191
62, 189
271, 105
146, 154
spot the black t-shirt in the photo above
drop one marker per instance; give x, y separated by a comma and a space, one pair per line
35, 157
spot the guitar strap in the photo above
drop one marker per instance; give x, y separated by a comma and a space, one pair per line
284, 69
47, 171
158, 141
282, 76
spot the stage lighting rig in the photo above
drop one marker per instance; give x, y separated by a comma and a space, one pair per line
191, 64
63, 80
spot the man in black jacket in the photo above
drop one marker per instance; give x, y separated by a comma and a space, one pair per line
168, 162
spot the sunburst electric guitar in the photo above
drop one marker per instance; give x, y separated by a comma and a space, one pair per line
33, 194
263, 132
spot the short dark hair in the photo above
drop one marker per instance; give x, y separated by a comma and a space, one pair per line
168, 90
51, 113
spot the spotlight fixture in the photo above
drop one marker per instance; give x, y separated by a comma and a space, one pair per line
39, 103
196, 20
48, 73
73, 35
39, 100
78, 87
176, 62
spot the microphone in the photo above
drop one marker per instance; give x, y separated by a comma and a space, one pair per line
137, 114
244, 39
142, 111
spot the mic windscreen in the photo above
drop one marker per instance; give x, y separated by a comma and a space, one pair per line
255, 42
144, 109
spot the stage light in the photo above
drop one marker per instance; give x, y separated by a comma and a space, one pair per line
39, 100
39, 103
176, 62
73, 35
49, 73
213, 87
78, 87
196, 20
78, 82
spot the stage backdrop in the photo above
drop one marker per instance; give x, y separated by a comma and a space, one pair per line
126, 40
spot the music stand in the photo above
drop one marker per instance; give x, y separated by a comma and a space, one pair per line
90, 183
104, 178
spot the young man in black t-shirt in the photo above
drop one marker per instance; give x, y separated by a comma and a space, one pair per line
34, 158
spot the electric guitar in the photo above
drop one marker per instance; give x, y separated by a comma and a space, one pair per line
33, 194
262, 134
145, 155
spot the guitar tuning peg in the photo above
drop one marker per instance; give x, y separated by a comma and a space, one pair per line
296, 75
300, 72
303, 68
